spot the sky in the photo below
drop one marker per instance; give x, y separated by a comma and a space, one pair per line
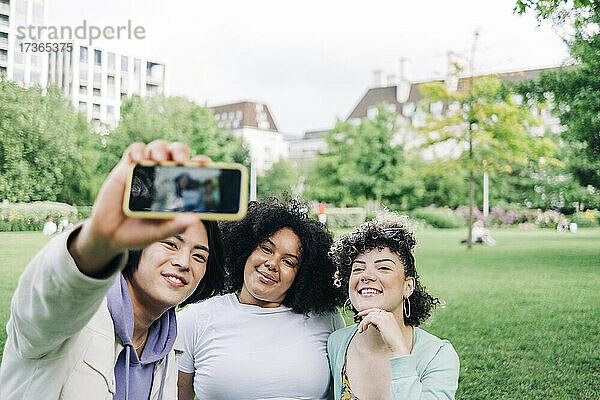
312, 61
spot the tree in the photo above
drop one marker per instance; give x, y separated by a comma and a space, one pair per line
548, 187
46, 148
442, 186
484, 127
363, 162
171, 119
283, 177
575, 90
580, 13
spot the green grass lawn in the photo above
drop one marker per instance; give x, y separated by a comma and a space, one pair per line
524, 316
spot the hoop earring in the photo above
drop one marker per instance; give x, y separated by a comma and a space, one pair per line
337, 282
344, 309
407, 314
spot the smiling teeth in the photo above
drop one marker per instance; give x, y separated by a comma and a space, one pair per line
369, 292
174, 279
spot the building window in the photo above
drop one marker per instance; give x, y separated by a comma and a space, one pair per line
19, 58
83, 76
21, 7
83, 90
98, 57
35, 76
83, 55
110, 81
96, 107
111, 61
97, 92
35, 61
19, 74
97, 78
419, 119
123, 96
136, 66
239, 114
436, 108
217, 116
83, 106
408, 109
38, 11
372, 112
151, 89
124, 63
110, 110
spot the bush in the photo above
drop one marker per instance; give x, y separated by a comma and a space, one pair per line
587, 219
16, 217
84, 212
550, 219
439, 217
463, 211
345, 217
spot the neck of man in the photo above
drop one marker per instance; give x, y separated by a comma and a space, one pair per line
143, 316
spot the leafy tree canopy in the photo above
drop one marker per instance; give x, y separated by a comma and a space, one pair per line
46, 149
171, 119
487, 118
283, 177
364, 162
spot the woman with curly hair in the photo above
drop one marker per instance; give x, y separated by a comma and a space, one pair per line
386, 355
267, 338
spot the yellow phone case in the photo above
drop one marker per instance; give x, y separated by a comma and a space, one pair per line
205, 216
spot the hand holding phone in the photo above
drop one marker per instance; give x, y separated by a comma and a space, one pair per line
109, 231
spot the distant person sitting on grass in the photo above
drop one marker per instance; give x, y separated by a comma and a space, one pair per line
386, 356
93, 316
480, 234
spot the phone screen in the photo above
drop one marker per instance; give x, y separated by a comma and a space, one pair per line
161, 188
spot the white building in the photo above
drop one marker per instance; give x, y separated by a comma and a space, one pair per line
309, 146
254, 123
28, 67
93, 79
402, 96
97, 80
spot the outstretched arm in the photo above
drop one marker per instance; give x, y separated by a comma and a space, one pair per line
65, 283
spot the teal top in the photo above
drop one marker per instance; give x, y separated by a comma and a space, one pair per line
429, 372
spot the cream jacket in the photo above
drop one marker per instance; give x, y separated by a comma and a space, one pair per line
61, 342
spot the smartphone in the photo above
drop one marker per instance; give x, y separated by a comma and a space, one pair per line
216, 191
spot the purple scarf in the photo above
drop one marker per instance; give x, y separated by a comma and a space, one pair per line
133, 374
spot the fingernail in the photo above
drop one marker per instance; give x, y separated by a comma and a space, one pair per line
137, 156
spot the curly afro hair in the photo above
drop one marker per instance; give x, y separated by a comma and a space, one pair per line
390, 232
312, 290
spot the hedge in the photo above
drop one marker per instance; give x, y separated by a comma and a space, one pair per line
32, 216
438, 217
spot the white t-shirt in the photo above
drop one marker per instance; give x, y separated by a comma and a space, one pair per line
240, 351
